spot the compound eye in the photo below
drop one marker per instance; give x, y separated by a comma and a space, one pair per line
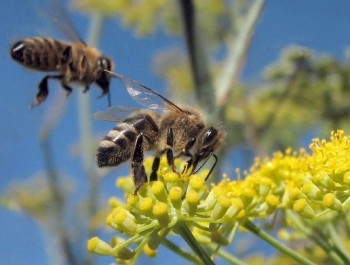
210, 135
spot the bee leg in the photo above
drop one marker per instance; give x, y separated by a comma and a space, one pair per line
168, 150
138, 170
66, 55
103, 82
186, 152
86, 88
43, 90
155, 167
67, 88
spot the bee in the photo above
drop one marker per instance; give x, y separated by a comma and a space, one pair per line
176, 132
73, 62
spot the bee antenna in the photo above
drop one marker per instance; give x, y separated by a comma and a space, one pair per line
212, 167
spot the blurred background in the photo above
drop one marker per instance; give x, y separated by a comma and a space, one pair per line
280, 77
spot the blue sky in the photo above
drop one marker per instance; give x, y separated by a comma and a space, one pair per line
322, 26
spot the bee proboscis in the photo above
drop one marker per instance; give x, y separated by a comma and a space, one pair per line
178, 131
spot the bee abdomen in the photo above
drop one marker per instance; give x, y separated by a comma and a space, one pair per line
38, 53
117, 145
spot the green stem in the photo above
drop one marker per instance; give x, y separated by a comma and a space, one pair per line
179, 251
334, 245
315, 235
198, 58
238, 53
186, 234
56, 210
230, 258
275, 243
86, 136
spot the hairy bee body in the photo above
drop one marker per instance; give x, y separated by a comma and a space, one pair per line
117, 146
178, 131
74, 62
42, 54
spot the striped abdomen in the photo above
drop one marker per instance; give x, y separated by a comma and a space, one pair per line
118, 145
43, 54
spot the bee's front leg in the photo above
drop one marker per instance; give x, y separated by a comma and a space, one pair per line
67, 88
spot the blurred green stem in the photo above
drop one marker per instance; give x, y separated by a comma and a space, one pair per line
179, 251
198, 58
276, 244
56, 225
86, 136
237, 54
186, 234
56, 209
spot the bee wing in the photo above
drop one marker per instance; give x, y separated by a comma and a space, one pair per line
114, 113
60, 20
146, 96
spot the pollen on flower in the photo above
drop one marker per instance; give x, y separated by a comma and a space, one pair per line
122, 220
312, 191
132, 201
197, 183
248, 195
99, 246
272, 200
221, 207
294, 193
175, 196
160, 211
146, 205
159, 191
191, 202
172, 179
346, 178
330, 201
149, 251
114, 202
215, 192
302, 207
126, 184
234, 210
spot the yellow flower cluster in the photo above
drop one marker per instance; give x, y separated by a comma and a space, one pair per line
312, 186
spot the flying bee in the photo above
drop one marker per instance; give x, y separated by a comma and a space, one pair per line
74, 62
176, 132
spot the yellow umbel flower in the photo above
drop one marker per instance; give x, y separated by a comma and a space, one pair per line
311, 189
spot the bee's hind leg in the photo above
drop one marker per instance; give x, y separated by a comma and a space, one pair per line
43, 90
137, 167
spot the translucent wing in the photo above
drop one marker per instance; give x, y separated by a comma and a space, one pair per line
60, 20
146, 96
114, 113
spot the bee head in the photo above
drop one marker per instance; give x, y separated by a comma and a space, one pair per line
208, 142
104, 78
105, 63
